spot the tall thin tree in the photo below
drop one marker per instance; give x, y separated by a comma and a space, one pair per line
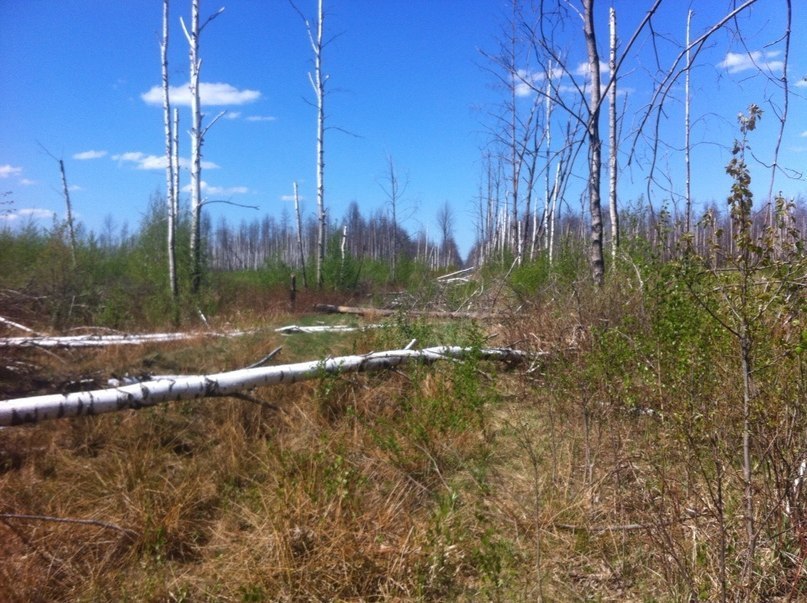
169, 159
612, 136
318, 81
595, 146
197, 140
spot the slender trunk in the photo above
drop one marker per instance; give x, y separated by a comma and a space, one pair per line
515, 155
169, 159
745, 344
595, 147
343, 255
687, 130
612, 142
196, 152
319, 89
549, 204
175, 200
300, 234
71, 231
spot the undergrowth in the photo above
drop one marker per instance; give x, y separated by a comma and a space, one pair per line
606, 468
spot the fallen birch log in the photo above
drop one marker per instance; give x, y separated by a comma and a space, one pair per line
331, 309
149, 393
94, 341
323, 329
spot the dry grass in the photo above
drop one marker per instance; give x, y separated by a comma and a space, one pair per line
451, 482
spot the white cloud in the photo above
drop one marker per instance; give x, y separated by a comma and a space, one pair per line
583, 70
9, 170
74, 187
210, 94
89, 155
261, 118
737, 62
232, 115
34, 213
27, 182
291, 198
218, 190
802, 83
156, 162
525, 81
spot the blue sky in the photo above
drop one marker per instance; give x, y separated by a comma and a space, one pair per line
406, 79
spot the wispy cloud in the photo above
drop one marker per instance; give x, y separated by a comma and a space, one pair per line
232, 115
210, 94
218, 190
802, 83
803, 134
583, 69
261, 118
6, 171
34, 213
27, 182
737, 62
526, 81
142, 161
291, 198
89, 155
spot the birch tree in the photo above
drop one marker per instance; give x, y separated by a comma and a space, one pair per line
197, 135
170, 167
612, 136
299, 233
318, 81
594, 145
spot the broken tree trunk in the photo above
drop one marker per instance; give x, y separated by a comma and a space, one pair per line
41, 408
95, 341
383, 312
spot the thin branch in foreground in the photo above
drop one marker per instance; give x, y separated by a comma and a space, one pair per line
266, 358
87, 522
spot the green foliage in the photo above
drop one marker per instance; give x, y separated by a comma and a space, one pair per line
566, 267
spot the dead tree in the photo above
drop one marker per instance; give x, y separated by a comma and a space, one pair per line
612, 137
71, 231
318, 81
300, 234
394, 190
197, 140
170, 167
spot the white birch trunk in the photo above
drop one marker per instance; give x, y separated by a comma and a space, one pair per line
176, 165
612, 143
595, 146
687, 130
318, 83
300, 234
549, 208
169, 159
196, 150
197, 141
95, 341
40, 408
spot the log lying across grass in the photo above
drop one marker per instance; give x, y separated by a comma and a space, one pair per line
41, 408
95, 341
331, 309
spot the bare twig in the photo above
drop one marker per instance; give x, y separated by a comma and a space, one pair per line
87, 522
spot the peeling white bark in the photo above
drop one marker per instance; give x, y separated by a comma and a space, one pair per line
41, 408
95, 341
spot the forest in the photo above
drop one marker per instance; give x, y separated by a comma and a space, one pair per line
605, 399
